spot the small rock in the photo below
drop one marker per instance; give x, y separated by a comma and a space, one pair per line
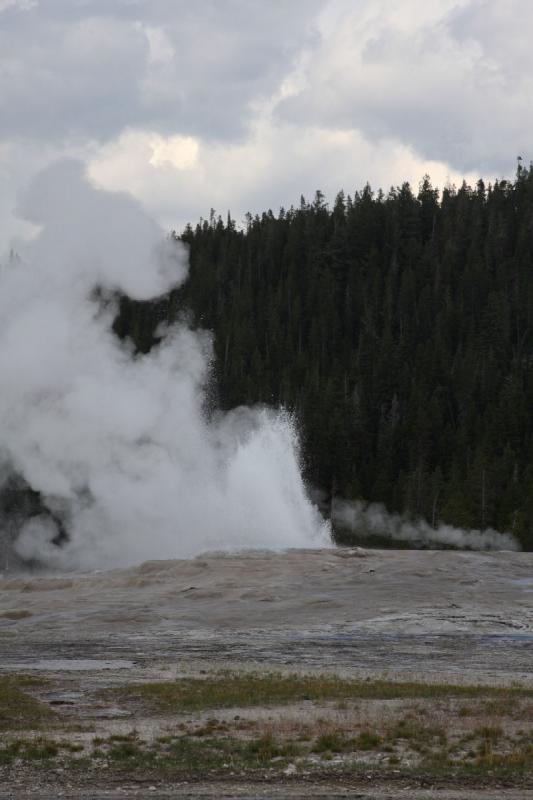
290, 770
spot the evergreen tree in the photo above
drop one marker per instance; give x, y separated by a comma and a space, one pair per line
398, 327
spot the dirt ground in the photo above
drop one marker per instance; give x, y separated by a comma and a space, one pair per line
247, 791
430, 616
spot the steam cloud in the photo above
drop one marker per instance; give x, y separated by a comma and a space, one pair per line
117, 443
375, 520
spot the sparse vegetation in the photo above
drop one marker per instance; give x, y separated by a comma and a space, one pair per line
37, 749
368, 741
18, 709
319, 724
186, 755
230, 690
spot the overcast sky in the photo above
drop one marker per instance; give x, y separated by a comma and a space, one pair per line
247, 104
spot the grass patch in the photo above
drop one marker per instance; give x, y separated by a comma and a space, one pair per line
331, 742
414, 732
35, 750
267, 748
184, 756
188, 755
368, 741
18, 709
235, 691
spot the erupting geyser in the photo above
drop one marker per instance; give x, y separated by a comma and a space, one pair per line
117, 444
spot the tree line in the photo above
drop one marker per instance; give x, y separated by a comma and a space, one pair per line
397, 326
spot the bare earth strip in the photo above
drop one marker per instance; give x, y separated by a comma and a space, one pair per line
248, 791
437, 617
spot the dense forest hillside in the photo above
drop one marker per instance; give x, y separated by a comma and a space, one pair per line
398, 327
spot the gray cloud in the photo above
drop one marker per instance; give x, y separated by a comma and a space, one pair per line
454, 84
89, 69
280, 98
70, 79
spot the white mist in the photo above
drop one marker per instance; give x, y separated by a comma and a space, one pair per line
116, 443
375, 520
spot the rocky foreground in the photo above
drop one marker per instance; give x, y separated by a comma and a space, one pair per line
389, 672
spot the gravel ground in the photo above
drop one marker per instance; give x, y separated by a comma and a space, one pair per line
254, 791
423, 615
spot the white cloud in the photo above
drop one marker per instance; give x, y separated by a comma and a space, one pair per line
148, 147
449, 79
269, 169
181, 152
245, 104
162, 50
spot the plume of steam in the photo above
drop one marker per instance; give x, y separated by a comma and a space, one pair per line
374, 520
117, 444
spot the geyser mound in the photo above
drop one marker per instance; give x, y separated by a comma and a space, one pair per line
117, 444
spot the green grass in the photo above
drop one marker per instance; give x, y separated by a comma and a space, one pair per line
189, 755
368, 741
332, 742
29, 750
414, 731
36, 749
18, 709
183, 755
236, 690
